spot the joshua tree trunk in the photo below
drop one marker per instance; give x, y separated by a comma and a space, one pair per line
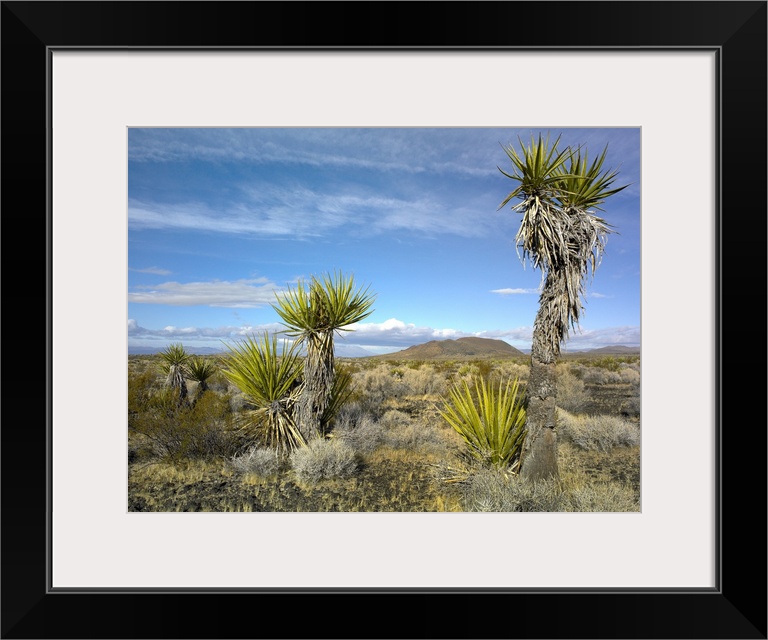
319, 372
539, 456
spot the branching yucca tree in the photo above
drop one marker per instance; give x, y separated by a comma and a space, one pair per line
314, 312
268, 377
200, 370
174, 364
560, 234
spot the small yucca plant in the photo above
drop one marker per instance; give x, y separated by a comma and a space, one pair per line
201, 370
268, 379
174, 364
490, 418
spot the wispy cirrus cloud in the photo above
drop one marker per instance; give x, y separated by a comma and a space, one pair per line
297, 211
153, 270
257, 292
402, 149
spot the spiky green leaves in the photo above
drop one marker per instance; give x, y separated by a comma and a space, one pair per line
489, 418
200, 370
536, 170
174, 355
324, 304
264, 373
267, 378
582, 185
551, 177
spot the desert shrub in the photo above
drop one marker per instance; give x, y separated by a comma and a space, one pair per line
596, 375
372, 387
415, 436
400, 431
363, 434
348, 416
323, 459
468, 372
631, 407
256, 460
393, 418
490, 418
423, 381
358, 428
142, 388
609, 363
493, 491
603, 497
571, 391
171, 432
238, 402
598, 433
630, 376
218, 382
507, 369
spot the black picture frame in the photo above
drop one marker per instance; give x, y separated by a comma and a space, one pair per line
736, 608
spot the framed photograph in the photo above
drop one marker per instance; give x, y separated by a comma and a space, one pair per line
93, 89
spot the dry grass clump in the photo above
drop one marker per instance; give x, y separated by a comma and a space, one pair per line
394, 429
416, 435
323, 459
259, 461
494, 491
603, 497
598, 433
490, 490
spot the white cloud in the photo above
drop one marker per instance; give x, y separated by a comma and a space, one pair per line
213, 335
258, 292
596, 338
389, 336
514, 292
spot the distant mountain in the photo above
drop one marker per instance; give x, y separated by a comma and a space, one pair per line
351, 351
614, 350
461, 348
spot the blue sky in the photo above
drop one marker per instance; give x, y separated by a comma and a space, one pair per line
221, 219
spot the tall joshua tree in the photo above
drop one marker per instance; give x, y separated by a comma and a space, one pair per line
313, 312
560, 234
